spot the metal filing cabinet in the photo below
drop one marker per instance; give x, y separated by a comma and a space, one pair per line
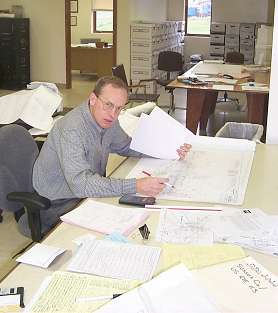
147, 40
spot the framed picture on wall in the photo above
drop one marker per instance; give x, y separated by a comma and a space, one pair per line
73, 6
73, 21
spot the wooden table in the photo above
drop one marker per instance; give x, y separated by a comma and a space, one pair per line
201, 100
92, 60
261, 193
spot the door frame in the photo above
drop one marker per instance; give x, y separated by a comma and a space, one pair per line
68, 40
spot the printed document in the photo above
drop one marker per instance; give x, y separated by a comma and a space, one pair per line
172, 291
184, 227
105, 218
241, 286
73, 286
116, 260
214, 176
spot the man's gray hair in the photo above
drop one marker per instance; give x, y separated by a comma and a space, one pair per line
109, 80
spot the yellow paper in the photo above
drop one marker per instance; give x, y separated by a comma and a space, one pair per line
195, 257
65, 287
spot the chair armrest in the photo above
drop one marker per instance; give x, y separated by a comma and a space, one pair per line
30, 200
138, 86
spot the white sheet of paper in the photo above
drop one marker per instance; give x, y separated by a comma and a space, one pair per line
185, 227
116, 260
105, 218
174, 290
9, 300
223, 87
23, 104
36, 132
40, 255
241, 286
161, 129
81, 239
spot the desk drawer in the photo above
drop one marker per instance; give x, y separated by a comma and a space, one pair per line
217, 28
247, 28
232, 29
147, 47
231, 40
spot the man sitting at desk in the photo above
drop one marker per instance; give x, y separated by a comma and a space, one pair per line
72, 161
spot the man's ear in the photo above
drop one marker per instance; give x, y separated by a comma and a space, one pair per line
92, 99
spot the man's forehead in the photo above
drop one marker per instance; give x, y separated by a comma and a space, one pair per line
112, 94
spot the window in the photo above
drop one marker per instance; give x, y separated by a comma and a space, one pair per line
197, 17
103, 21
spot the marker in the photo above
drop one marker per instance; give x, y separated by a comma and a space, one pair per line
167, 184
98, 298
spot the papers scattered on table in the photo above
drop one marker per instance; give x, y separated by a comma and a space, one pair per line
195, 257
81, 239
241, 286
223, 87
185, 227
116, 260
40, 255
105, 218
73, 286
172, 291
23, 104
249, 228
255, 86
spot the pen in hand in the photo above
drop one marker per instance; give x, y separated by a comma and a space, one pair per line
167, 184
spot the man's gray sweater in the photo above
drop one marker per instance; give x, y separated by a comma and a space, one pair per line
73, 159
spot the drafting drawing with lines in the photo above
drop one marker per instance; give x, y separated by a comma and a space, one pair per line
207, 175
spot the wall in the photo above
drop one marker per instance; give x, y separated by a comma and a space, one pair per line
146, 10
83, 28
175, 10
47, 38
260, 11
131, 10
272, 128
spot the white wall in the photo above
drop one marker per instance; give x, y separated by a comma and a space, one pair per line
146, 10
83, 28
47, 38
175, 10
272, 125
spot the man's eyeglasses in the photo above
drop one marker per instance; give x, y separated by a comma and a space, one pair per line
109, 106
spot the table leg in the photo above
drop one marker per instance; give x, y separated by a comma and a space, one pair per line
195, 103
257, 105
200, 104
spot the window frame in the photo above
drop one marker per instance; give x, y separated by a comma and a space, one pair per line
95, 22
186, 19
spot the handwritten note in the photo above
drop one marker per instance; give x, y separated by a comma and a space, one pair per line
241, 286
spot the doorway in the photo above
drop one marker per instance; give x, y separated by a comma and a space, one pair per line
68, 40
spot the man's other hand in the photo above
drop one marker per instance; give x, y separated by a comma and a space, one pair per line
150, 186
183, 150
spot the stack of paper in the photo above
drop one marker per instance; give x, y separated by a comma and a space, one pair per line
116, 260
105, 218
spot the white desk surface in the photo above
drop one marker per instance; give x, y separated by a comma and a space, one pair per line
261, 193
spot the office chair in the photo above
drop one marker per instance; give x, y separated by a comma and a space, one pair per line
232, 58
170, 61
18, 154
119, 71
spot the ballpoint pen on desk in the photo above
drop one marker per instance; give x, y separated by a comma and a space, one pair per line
97, 298
167, 184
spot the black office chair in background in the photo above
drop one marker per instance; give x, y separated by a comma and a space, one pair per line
170, 61
119, 71
18, 154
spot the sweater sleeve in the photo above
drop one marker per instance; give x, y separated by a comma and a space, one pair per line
82, 179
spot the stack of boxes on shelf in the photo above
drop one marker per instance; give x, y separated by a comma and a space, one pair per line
147, 41
229, 37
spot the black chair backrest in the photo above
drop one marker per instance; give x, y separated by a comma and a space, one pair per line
18, 154
170, 61
119, 71
234, 58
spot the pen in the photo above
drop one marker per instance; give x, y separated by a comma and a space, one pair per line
167, 184
97, 298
